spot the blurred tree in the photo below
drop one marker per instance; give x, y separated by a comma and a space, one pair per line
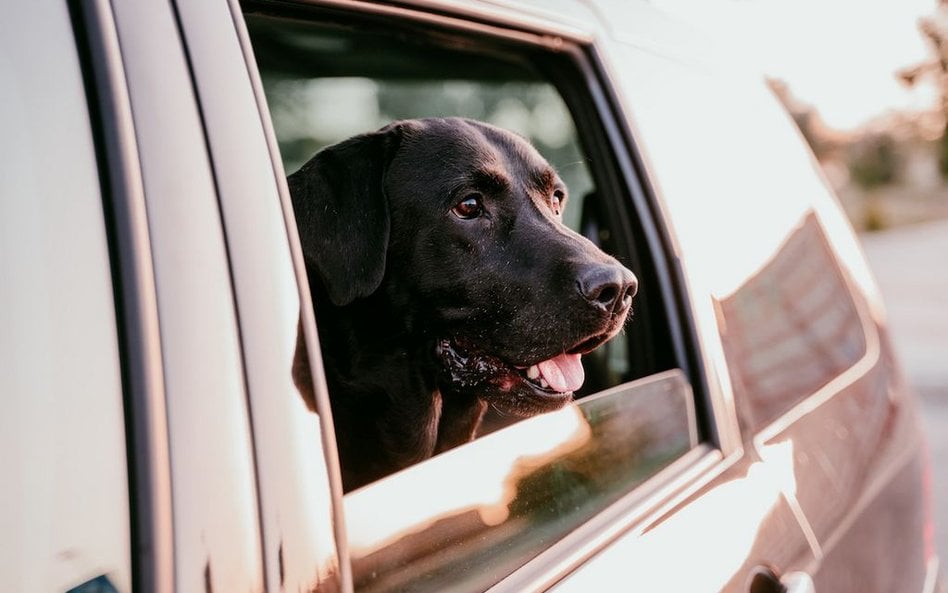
875, 160
935, 30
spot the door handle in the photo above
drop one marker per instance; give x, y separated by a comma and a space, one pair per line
797, 582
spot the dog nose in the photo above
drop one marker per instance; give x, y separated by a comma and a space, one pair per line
610, 287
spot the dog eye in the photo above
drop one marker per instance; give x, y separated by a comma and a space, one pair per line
470, 207
557, 201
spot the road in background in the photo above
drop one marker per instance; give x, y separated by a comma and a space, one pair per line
911, 266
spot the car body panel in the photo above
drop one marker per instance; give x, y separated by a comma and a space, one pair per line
711, 541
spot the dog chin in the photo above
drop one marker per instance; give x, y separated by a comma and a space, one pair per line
507, 388
524, 399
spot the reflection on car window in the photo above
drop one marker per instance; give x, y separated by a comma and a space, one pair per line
467, 518
790, 329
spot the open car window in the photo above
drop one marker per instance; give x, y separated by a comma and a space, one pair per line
472, 515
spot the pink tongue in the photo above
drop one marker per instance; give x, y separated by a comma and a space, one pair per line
563, 373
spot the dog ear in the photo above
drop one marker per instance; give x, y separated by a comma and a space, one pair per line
342, 213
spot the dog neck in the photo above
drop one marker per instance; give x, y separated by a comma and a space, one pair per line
382, 386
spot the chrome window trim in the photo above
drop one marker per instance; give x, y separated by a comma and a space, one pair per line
714, 386
710, 380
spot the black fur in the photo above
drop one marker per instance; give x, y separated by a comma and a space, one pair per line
425, 318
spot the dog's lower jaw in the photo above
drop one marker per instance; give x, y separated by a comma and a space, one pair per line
469, 373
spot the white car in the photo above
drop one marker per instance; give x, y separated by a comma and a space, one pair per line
750, 430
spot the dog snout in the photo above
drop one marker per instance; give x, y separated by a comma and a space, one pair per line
608, 287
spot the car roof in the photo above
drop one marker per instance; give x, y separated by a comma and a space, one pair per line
632, 22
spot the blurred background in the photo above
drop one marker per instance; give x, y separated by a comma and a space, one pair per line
867, 84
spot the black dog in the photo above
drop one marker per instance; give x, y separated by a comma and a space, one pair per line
444, 281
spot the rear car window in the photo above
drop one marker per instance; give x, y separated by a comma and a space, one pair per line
790, 329
470, 516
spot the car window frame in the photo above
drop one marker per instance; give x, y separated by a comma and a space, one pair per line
605, 137
628, 174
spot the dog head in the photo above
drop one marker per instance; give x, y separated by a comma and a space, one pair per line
457, 226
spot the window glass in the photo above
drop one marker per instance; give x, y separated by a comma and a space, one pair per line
467, 518
64, 508
790, 328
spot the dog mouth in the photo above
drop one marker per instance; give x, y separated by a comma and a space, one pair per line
522, 388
